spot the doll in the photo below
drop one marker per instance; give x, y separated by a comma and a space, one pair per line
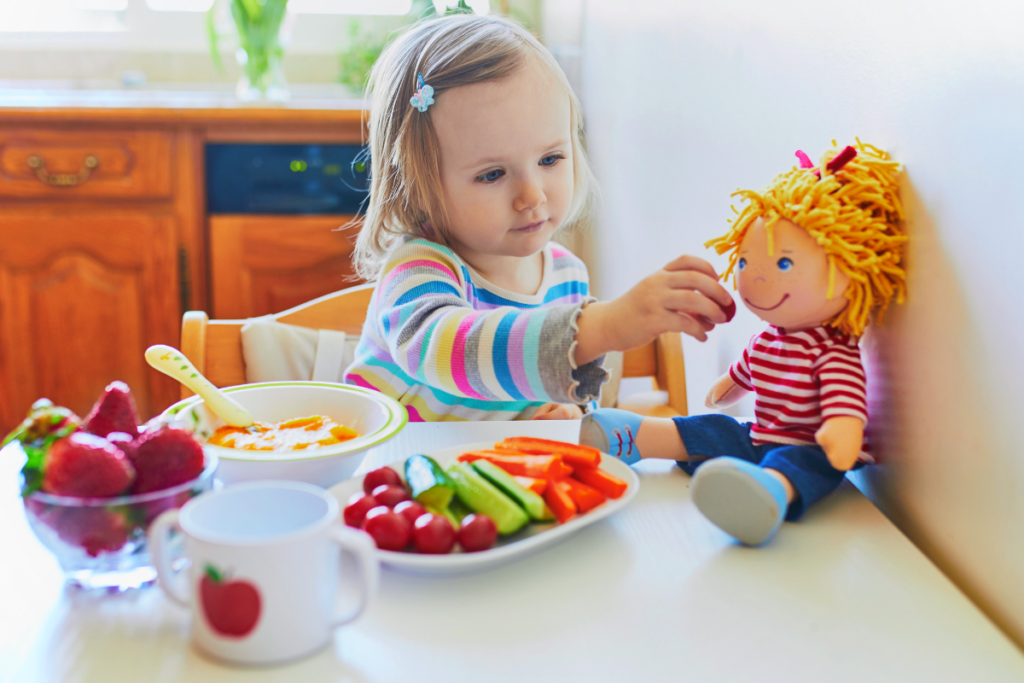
815, 255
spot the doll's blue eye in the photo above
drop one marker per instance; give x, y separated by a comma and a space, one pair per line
742, 264
785, 264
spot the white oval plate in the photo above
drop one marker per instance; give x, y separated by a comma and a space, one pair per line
532, 538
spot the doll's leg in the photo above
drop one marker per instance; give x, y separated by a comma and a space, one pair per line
742, 499
626, 435
808, 471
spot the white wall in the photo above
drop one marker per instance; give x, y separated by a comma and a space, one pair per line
686, 101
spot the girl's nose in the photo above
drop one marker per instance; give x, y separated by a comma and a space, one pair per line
529, 197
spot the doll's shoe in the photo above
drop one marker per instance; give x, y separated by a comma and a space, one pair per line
740, 498
612, 431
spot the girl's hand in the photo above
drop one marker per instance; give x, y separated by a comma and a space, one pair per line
684, 296
558, 411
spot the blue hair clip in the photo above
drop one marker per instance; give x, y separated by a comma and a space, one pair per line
424, 96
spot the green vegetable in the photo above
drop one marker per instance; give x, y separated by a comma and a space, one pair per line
528, 500
428, 483
45, 424
483, 497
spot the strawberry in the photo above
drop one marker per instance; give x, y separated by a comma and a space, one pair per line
95, 530
167, 456
128, 444
87, 466
114, 412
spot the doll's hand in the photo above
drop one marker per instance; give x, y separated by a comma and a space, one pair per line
724, 393
841, 438
684, 296
558, 411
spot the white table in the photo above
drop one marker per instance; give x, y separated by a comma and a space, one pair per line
653, 593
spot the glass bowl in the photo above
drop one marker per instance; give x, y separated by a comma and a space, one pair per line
100, 543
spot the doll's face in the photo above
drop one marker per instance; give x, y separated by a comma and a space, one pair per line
787, 288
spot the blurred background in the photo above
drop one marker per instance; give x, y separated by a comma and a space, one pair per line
685, 102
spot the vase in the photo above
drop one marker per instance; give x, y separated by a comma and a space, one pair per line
262, 77
262, 38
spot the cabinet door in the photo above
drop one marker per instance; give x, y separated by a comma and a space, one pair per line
82, 294
267, 264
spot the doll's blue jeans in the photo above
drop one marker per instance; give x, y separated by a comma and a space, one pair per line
806, 467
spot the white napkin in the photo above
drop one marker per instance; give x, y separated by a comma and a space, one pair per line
276, 352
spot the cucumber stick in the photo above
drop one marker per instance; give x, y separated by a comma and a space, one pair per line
483, 497
429, 484
528, 500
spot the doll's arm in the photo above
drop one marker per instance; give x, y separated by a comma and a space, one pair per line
841, 438
724, 393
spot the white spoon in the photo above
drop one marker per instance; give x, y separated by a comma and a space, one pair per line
173, 362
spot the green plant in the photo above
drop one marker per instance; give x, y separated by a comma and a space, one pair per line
364, 47
355, 62
258, 26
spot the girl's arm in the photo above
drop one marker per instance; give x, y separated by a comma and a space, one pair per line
434, 335
684, 296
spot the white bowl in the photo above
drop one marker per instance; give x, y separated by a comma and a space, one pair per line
375, 416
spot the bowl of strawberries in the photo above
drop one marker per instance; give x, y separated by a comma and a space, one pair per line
91, 487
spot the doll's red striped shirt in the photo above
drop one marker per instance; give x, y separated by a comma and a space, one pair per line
800, 379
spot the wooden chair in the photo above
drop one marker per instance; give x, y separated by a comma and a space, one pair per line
215, 346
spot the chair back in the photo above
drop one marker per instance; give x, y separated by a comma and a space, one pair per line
215, 346
662, 360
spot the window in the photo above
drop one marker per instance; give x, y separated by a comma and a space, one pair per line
104, 16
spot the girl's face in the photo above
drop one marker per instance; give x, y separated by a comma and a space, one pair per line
506, 163
788, 289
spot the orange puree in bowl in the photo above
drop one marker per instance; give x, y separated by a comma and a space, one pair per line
298, 434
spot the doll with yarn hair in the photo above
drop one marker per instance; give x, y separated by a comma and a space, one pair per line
816, 254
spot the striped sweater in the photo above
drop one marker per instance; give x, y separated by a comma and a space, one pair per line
800, 379
449, 345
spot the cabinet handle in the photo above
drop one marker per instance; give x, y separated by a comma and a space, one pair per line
38, 164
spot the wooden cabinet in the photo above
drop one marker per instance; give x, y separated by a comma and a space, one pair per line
58, 164
82, 294
105, 241
267, 264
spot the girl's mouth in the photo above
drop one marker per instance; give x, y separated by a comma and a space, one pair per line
532, 227
781, 301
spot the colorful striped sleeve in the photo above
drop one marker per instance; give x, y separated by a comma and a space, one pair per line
436, 336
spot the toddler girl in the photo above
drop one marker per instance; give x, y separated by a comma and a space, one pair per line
477, 159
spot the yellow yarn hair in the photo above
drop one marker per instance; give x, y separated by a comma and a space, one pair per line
854, 214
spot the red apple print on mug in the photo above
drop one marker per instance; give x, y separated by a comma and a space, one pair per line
231, 608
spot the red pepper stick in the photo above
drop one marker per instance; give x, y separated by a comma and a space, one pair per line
559, 501
536, 466
585, 497
573, 454
608, 484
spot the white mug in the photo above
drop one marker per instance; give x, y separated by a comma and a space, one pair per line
264, 568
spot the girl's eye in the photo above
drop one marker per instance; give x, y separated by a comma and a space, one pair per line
743, 263
785, 264
490, 176
551, 160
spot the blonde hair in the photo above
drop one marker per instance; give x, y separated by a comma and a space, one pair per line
853, 213
405, 183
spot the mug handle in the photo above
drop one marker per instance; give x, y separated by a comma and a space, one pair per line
361, 545
172, 582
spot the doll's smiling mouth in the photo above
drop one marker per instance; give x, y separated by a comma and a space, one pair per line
781, 301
